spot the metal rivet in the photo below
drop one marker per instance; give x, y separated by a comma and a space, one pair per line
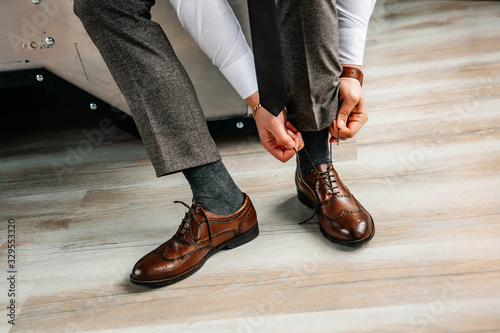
25, 45
39, 77
49, 41
93, 106
36, 2
34, 44
240, 124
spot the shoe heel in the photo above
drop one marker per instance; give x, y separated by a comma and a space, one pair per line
244, 238
304, 200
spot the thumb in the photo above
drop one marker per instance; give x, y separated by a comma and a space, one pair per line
344, 112
283, 138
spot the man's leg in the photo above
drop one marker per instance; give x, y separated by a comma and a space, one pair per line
154, 83
160, 95
309, 37
309, 34
171, 122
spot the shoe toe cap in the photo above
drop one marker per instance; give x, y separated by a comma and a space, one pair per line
357, 226
351, 228
150, 268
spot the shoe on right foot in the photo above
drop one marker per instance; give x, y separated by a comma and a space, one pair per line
342, 219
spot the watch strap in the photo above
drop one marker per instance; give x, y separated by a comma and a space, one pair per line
353, 72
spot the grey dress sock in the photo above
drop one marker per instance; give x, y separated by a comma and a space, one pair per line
214, 189
316, 144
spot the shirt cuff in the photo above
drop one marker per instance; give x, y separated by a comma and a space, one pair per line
241, 75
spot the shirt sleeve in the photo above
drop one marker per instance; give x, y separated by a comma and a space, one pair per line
216, 30
354, 16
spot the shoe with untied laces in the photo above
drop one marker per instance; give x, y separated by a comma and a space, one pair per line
200, 235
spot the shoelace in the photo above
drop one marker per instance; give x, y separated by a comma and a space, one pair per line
328, 180
190, 215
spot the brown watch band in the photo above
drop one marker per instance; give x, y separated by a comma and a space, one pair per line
348, 71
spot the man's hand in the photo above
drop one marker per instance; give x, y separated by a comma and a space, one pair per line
352, 113
277, 135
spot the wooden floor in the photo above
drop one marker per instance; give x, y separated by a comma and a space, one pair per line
426, 165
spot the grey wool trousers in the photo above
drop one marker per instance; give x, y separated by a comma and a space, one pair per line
162, 98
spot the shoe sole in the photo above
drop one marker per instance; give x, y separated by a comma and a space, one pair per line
303, 199
230, 244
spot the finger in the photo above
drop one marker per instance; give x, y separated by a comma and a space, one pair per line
297, 139
300, 141
353, 128
344, 112
280, 153
291, 127
287, 154
345, 133
292, 134
296, 142
355, 123
271, 146
282, 137
333, 129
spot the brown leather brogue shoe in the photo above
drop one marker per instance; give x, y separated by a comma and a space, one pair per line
342, 218
200, 235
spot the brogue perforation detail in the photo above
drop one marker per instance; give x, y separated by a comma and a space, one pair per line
186, 254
